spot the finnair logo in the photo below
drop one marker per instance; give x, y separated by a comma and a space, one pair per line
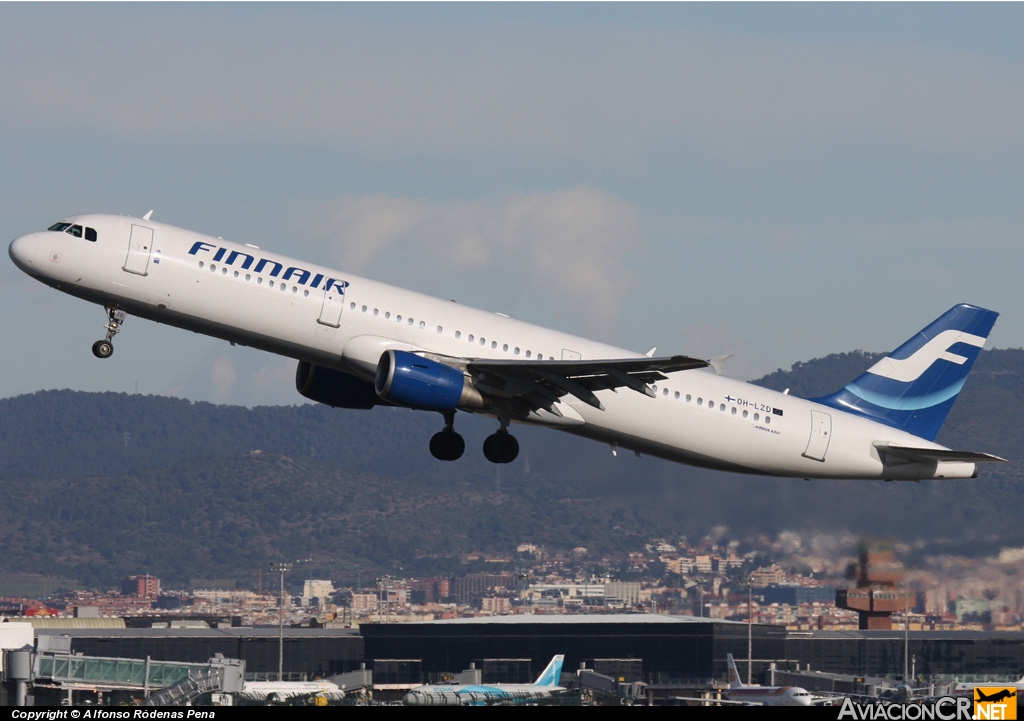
299, 276
906, 370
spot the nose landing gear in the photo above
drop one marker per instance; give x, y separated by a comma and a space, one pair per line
104, 348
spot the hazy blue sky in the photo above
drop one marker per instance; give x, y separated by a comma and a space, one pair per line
779, 182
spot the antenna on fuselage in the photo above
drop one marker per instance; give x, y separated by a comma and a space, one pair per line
148, 215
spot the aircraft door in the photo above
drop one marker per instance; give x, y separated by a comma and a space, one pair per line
821, 432
334, 300
140, 245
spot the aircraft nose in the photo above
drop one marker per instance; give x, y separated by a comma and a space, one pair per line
23, 251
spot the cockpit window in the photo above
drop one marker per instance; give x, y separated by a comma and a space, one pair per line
75, 230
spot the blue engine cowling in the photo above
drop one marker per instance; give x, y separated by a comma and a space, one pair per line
333, 387
408, 380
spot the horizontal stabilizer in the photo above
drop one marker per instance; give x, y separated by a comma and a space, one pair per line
933, 455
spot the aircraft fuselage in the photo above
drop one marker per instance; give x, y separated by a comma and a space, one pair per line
340, 321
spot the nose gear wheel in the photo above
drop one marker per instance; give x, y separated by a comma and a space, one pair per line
115, 318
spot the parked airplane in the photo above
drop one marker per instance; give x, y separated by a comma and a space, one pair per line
968, 689
764, 695
450, 694
361, 343
277, 691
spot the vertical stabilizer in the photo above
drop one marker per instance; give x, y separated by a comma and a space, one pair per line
734, 675
914, 387
551, 675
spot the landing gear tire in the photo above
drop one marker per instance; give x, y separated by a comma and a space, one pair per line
447, 446
115, 318
501, 447
102, 349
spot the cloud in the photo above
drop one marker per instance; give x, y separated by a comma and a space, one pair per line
239, 376
222, 377
570, 245
272, 382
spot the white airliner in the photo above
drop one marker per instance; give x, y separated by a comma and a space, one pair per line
968, 689
276, 691
361, 343
764, 695
451, 694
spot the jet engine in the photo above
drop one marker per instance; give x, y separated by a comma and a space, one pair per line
333, 387
409, 380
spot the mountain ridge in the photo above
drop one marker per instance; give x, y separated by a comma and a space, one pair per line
101, 485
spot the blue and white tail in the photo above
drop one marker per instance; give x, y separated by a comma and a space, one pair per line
552, 674
914, 387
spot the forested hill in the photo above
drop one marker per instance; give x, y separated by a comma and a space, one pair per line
99, 485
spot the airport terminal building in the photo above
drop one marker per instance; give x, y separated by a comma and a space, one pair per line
657, 649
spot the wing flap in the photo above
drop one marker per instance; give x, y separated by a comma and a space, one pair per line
578, 378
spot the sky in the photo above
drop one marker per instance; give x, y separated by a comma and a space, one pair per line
778, 182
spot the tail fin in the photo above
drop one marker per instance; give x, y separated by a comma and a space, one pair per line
914, 387
734, 675
551, 675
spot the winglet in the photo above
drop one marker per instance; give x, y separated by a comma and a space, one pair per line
718, 362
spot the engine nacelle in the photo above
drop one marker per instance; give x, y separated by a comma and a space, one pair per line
409, 380
333, 387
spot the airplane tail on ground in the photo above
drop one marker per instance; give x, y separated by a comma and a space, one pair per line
551, 675
914, 387
734, 675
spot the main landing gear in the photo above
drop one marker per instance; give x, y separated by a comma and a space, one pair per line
447, 445
104, 348
501, 447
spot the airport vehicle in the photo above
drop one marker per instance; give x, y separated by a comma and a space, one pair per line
764, 695
361, 343
453, 694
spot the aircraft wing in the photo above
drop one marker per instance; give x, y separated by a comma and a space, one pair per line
727, 702
933, 455
541, 383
